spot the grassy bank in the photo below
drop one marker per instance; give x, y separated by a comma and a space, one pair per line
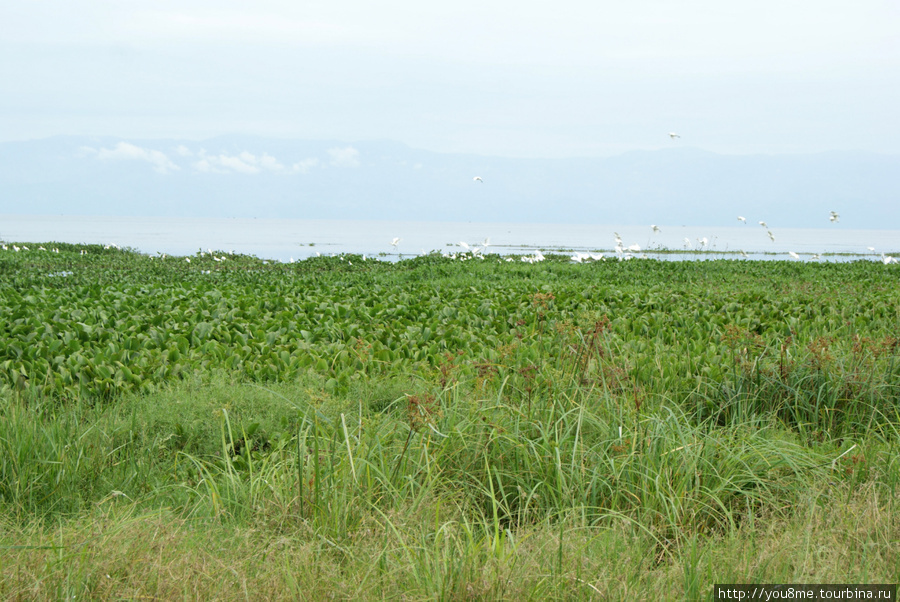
229, 428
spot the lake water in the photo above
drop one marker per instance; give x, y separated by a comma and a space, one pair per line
287, 239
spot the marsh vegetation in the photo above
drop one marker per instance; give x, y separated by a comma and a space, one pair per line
229, 428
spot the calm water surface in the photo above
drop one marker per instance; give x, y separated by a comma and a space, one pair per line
287, 239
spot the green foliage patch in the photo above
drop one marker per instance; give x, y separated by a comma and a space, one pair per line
817, 343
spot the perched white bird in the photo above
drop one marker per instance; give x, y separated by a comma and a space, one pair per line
886, 259
744, 253
871, 249
741, 218
655, 228
673, 135
763, 224
478, 179
704, 242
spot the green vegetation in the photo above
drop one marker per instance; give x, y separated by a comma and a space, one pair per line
220, 427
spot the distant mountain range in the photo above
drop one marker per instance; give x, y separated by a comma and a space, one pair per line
240, 176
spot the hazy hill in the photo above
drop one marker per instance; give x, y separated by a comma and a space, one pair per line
239, 176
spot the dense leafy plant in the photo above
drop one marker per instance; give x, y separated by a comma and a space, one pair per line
816, 342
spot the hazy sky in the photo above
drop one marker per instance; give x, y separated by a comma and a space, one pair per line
514, 78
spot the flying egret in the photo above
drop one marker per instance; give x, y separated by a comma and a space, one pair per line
673, 135
834, 217
655, 228
771, 236
763, 224
395, 242
478, 179
743, 219
794, 255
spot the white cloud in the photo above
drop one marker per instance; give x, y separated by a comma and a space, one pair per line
237, 164
244, 162
344, 157
184, 151
305, 165
270, 163
206, 167
125, 151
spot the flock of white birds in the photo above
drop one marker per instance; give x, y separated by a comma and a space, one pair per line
622, 252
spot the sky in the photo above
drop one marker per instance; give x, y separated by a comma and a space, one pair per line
491, 77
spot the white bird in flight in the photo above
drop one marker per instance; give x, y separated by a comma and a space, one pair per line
741, 218
763, 224
478, 179
834, 217
395, 242
794, 255
655, 227
771, 236
673, 135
